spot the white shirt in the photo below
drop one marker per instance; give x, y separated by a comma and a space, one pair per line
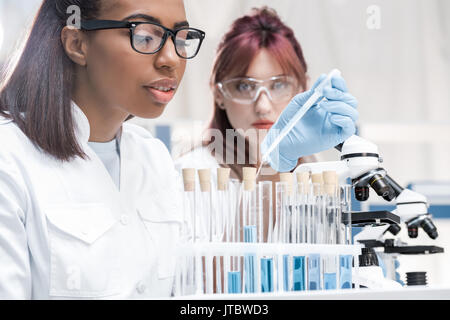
109, 154
66, 230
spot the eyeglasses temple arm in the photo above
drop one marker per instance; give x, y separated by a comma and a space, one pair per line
91, 25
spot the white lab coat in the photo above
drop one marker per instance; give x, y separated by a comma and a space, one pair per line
67, 232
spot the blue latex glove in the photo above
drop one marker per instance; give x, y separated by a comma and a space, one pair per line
323, 127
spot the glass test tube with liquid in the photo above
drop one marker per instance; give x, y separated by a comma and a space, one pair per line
331, 227
205, 225
189, 268
265, 282
302, 211
345, 236
220, 221
316, 233
232, 265
287, 220
251, 218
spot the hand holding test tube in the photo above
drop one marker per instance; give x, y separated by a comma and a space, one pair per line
310, 124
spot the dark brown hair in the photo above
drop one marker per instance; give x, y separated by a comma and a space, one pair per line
37, 95
248, 34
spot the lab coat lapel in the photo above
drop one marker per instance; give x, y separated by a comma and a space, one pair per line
104, 183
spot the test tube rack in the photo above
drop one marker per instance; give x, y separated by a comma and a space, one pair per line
270, 278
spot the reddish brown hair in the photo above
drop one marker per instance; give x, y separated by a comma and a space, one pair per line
248, 34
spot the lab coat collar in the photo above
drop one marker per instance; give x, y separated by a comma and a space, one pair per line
82, 127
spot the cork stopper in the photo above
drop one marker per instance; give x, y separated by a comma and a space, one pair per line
223, 176
249, 174
330, 182
317, 180
204, 176
288, 178
189, 179
303, 182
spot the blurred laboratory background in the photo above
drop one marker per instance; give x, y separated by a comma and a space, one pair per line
394, 55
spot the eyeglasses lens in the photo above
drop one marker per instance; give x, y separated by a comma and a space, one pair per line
147, 38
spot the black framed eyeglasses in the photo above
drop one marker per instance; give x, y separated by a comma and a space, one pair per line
150, 37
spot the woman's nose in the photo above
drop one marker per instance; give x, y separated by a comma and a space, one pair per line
167, 57
263, 103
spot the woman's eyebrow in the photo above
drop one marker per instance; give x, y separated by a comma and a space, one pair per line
143, 16
179, 25
148, 18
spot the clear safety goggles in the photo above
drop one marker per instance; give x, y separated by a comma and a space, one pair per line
247, 90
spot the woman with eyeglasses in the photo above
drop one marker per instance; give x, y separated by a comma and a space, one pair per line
89, 204
259, 69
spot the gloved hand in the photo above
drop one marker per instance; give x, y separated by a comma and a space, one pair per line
323, 127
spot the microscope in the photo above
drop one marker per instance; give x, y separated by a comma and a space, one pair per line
361, 164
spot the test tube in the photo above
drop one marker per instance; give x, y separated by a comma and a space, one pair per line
189, 268
290, 223
206, 213
299, 262
221, 214
232, 234
250, 219
289, 212
345, 234
345, 237
318, 216
316, 232
283, 205
267, 274
301, 204
332, 226
265, 234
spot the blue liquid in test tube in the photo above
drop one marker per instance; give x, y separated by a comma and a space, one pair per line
250, 261
299, 273
314, 272
286, 272
267, 275
234, 282
345, 271
329, 280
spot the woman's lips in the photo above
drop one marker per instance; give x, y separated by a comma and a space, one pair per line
263, 125
160, 96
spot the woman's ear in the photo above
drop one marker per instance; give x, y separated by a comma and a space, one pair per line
74, 44
218, 98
